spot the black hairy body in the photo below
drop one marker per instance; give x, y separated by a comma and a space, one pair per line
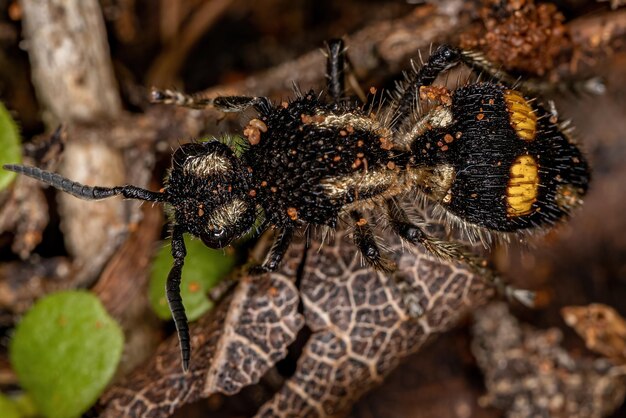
315, 160
489, 157
484, 152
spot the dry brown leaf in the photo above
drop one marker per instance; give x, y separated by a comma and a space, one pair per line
602, 328
361, 330
231, 348
528, 373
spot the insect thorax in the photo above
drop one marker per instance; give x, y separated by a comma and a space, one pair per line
308, 160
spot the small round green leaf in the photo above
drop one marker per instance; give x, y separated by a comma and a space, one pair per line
204, 268
65, 351
26, 406
8, 408
10, 146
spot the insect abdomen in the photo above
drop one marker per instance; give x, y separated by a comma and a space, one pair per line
514, 168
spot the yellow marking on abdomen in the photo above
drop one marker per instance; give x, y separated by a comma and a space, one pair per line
521, 115
523, 186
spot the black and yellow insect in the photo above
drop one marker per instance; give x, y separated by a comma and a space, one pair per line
491, 158
511, 167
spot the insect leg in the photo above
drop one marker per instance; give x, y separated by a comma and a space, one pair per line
536, 86
409, 231
335, 68
197, 101
479, 63
403, 107
276, 253
172, 291
451, 251
366, 243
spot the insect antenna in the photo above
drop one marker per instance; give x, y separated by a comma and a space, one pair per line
131, 192
85, 192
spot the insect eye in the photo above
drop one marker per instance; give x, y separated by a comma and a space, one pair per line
218, 232
216, 237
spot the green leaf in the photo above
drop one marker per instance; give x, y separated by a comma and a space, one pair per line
204, 268
65, 351
8, 408
26, 406
10, 146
